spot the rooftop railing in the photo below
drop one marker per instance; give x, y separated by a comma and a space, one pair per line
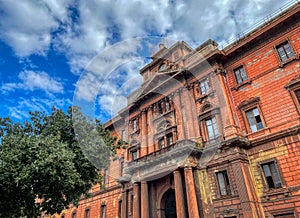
259, 24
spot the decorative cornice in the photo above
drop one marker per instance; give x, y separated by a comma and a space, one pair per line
295, 81
248, 101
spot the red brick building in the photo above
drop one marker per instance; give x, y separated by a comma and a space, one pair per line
211, 132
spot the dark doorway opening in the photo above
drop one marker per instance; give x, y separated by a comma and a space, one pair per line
170, 204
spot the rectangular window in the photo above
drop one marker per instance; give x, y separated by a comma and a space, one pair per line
121, 166
87, 213
120, 209
169, 139
254, 120
161, 143
271, 175
74, 215
204, 86
106, 176
103, 211
134, 127
123, 135
212, 128
297, 94
240, 74
285, 51
134, 155
284, 215
223, 182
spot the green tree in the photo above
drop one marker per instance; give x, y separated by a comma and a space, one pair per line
49, 161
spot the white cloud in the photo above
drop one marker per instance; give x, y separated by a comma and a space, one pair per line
31, 81
24, 105
27, 25
33, 27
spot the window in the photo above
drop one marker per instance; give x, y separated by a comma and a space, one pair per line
103, 211
74, 215
87, 213
293, 87
204, 86
63, 216
240, 75
284, 215
121, 166
106, 176
123, 135
161, 143
169, 139
271, 175
254, 120
297, 94
134, 155
223, 183
212, 128
134, 127
162, 67
285, 51
120, 209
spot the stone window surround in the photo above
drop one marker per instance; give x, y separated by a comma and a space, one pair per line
262, 175
237, 85
250, 104
87, 212
238, 69
218, 191
163, 135
292, 86
212, 112
283, 63
133, 148
103, 210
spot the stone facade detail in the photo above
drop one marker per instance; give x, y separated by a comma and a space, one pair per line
223, 141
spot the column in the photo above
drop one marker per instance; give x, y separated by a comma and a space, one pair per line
144, 143
151, 146
179, 115
124, 204
191, 193
230, 127
179, 195
144, 200
136, 201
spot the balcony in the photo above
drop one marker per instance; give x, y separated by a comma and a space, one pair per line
162, 162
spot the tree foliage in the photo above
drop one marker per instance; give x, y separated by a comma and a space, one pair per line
49, 161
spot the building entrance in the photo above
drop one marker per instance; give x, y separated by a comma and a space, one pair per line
170, 204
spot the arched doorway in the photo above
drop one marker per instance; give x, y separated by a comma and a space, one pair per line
170, 204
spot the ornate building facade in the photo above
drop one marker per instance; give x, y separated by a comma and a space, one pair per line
211, 132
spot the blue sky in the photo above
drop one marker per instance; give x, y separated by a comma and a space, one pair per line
61, 53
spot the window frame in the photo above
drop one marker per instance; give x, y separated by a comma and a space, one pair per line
87, 212
263, 176
228, 188
123, 135
292, 86
238, 69
120, 208
214, 125
208, 112
250, 104
254, 117
132, 156
207, 86
279, 45
103, 209
73, 215
106, 179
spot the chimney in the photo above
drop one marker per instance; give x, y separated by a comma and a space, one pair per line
161, 46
